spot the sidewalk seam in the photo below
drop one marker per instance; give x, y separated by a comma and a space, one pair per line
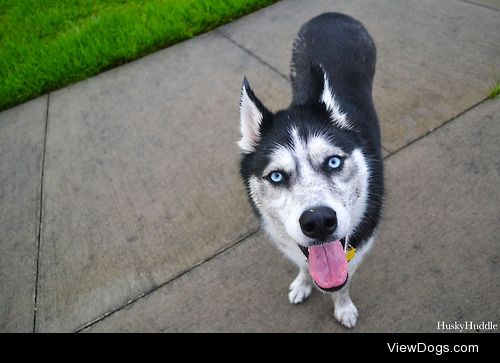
389, 152
431, 131
175, 277
252, 54
480, 5
40, 213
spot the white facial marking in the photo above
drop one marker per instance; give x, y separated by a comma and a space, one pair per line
319, 149
281, 159
309, 185
250, 121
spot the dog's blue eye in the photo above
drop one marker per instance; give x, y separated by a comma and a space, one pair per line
276, 177
334, 162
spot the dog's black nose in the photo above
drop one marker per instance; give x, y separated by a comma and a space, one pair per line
318, 223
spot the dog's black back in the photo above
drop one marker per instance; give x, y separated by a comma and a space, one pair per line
346, 51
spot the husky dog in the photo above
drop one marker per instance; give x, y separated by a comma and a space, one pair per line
313, 172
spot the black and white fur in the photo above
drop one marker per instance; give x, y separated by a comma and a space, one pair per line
332, 113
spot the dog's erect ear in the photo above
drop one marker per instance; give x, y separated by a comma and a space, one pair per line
252, 114
324, 94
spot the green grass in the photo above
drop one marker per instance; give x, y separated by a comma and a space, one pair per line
47, 44
495, 90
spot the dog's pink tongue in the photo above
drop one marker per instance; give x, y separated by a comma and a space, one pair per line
328, 264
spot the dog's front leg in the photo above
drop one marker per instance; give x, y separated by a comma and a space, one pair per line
301, 287
345, 310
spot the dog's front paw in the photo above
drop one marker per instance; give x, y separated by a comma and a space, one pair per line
346, 314
300, 289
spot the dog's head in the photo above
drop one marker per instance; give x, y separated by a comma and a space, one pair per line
305, 170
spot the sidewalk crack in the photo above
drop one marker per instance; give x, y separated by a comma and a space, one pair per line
40, 214
155, 288
253, 55
480, 5
431, 131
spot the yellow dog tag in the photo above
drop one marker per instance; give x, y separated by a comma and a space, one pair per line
351, 251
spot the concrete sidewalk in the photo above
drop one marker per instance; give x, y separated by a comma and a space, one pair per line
122, 208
